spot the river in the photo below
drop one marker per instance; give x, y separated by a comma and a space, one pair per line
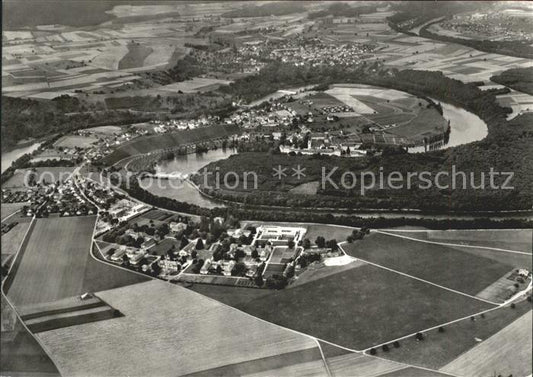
9, 157
466, 127
181, 189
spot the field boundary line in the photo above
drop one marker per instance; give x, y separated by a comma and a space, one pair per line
501, 306
432, 328
35, 337
448, 230
323, 358
120, 267
484, 340
424, 281
12, 214
453, 244
10, 275
405, 366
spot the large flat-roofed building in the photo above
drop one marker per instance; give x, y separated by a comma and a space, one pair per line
279, 235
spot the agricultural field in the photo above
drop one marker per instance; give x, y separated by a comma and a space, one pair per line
396, 112
356, 364
111, 57
438, 264
67, 254
362, 306
229, 295
322, 270
509, 239
12, 240
45, 63
164, 55
73, 141
439, 349
309, 188
194, 85
7, 209
455, 61
170, 317
104, 130
135, 57
507, 352
307, 362
21, 354
66, 239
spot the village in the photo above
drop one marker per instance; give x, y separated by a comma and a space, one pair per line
215, 251
508, 25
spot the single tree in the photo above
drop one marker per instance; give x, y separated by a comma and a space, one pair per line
199, 244
320, 241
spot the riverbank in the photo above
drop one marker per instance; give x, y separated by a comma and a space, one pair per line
13, 154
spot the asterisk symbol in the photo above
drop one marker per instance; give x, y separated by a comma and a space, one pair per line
279, 172
298, 172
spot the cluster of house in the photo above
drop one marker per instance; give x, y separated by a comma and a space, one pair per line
261, 255
251, 52
124, 209
497, 24
244, 59
142, 257
65, 199
105, 143
333, 143
16, 196
272, 250
318, 53
183, 124
327, 110
114, 207
101, 196
277, 115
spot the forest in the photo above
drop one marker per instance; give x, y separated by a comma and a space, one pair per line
343, 10
520, 79
266, 10
294, 215
27, 118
